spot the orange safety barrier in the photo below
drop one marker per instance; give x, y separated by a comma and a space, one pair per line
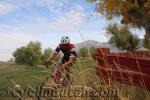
126, 67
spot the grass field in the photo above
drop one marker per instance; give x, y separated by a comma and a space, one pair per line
83, 73
19, 74
27, 75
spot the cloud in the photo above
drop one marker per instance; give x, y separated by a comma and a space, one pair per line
13, 40
10, 40
70, 20
9, 43
64, 22
54, 6
67, 20
6, 8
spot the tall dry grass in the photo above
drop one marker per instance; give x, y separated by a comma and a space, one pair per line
87, 78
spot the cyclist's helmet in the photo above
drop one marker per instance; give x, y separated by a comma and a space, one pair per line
65, 40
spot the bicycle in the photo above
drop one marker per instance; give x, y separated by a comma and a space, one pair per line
60, 75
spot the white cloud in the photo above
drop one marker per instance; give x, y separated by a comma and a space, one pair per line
64, 22
6, 8
13, 40
69, 20
55, 6
10, 40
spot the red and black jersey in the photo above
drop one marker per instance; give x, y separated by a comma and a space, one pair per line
67, 50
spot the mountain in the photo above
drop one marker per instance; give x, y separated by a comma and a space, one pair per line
92, 43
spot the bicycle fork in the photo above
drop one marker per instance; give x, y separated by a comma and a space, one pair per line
57, 74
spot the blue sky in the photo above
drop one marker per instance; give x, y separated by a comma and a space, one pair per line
47, 21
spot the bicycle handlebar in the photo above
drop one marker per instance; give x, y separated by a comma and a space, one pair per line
46, 63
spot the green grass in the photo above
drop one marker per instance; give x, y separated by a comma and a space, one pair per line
23, 75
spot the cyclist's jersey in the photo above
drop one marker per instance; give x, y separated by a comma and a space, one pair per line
67, 50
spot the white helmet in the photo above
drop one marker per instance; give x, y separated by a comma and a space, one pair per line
65, 40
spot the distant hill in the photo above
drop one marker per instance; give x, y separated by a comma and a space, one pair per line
92, 43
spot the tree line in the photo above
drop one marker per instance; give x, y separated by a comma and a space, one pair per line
32, 54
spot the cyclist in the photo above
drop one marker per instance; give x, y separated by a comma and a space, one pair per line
69, 57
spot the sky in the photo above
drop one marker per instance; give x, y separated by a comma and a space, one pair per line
22, 21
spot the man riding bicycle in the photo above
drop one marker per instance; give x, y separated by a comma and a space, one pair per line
69, 57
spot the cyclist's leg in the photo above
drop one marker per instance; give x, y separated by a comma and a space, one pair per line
57, 71
67, 71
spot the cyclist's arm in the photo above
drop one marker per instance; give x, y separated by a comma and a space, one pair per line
54, 54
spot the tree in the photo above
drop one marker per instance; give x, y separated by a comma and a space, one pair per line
20, 55
29, 54
133, 12
46, 54
83, 52
122, 38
